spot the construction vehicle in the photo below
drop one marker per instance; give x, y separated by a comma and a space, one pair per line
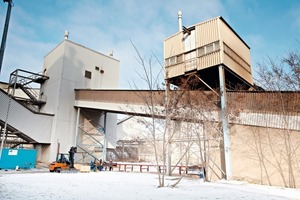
64, 162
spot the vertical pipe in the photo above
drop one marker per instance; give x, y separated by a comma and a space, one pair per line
226, 136
4, 36
179, 21
66, 35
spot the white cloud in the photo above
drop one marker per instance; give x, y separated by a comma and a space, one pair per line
103, 26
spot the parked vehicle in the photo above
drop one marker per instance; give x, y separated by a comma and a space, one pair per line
64, 161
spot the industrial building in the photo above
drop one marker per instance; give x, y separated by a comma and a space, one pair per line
237, 131
48, 119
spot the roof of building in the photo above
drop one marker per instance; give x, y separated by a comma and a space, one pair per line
221, 18
74, 43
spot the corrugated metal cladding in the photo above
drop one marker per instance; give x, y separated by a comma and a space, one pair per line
232, 40
174, 70
237, 68
269, 109
23, 158
287, 122
211, 43
207, 32
209, 60
173, 45
270, 102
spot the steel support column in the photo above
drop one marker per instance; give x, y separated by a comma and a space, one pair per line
104, 145
226, 135
168, 133
77, 126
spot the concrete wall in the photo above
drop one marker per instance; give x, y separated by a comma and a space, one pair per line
259, 155
66, 65
266, 155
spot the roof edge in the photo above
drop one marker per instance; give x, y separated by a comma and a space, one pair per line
66, 40
223, 20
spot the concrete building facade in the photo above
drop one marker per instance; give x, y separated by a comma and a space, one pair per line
71, 66
68, 66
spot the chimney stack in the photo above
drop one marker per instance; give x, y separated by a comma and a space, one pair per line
66, 35
179, 21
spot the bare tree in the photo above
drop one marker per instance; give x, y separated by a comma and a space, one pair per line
185, 106
280, 75
155, 124
276, 149
164, 114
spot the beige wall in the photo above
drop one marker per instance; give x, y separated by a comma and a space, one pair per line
259, 155
207, 32
266, 156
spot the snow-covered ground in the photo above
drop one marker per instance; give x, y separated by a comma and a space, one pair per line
108, 185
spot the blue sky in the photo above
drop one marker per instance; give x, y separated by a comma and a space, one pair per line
269, 27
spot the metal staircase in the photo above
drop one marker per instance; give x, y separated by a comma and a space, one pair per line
91, 138
29, 91
24, 80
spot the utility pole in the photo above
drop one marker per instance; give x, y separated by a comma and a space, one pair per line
4, 36
10, 4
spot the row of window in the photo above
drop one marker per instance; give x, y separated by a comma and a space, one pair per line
207, 49
236, 58
88, 74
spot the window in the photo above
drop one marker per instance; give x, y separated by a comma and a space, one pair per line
167, 62
201, 51
209, 48
234, 56
190, 55
173, 60
190, 61
88, 74
217, 46
179, 59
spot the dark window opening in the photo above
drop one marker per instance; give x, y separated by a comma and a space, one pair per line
88, 74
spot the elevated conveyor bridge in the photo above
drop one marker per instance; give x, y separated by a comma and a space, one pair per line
248, 108
255, 108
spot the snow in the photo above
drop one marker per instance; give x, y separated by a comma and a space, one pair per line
128, 185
